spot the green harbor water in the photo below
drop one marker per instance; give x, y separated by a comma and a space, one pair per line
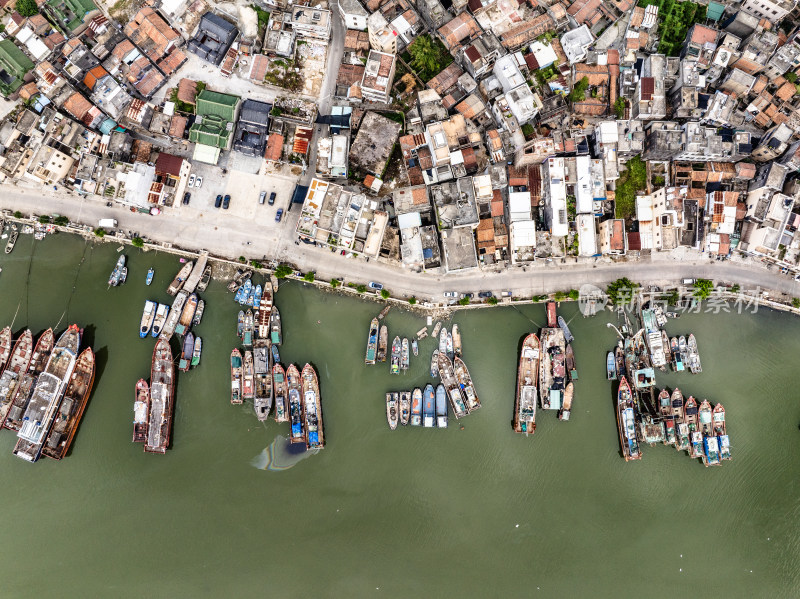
228, 511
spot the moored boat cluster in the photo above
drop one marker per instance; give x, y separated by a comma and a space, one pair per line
44, 389
259, 376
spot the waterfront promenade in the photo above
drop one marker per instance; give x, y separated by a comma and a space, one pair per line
227, 236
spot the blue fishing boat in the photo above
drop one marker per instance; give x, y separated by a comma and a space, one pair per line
710, 451
441, 406
276, 357
245, 292
611, 367
251, 298
257, 299
148, 317
161, 317
724, 447
428, 406
149, 279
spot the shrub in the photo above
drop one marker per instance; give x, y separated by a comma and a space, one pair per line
492, 301
579, 90
559, 296
283, 271
137, 242
385, 294
573, 294
100, 233
44, 219
527, 130
632, 180
412, 300
309, 277
621, 291
791, 77
538, 298
736, 288
335, 283
796, 302
361, 288
619, 108
61, 221
256, 264
17, 214
242, 259
464, 301
672, 297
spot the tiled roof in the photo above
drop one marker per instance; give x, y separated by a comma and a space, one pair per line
703, 35
274, 147
93, 76
172, 61
518, 35
177, 125
259, 67
77, 105
462, 27
446, 79
168, 164
786, 91
596, 74
149, 82
187, 91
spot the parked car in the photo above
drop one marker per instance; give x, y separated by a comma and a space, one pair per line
272, 198
191, 180
375, 286
278, 215
226, 202
262, 196
186, 197
467, 295
450, 294
218, 202
506, 294
199, 182
485, 294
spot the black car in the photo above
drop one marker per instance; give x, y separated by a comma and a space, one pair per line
272, 198
218, 202
485, 294
186, 197
226, 202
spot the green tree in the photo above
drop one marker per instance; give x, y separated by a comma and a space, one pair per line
619, 107
335, 283
385, 294
61, 221
559, 296
428, 56
242, 259
361, 288
283, 271
538, 298
736, 288
412, 300
464, 301
27, 8
256, 264
100, 233
528, 130
796, 302
492, 301
137, 242
703, 288
44, 219
17, 214
621, 291
309, 277
573, 294
671, 297
791, 77
579, 90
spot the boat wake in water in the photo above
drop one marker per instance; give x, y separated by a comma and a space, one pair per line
281, 455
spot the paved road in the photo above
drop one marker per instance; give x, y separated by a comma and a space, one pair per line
224, 235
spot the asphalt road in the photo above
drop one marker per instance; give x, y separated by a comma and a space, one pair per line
226, 235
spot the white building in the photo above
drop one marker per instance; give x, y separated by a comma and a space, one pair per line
587, 238
353, 14
576, 43
376, 84
555, 191
522, 241
773, 10
312, 23
519, 206
584, 197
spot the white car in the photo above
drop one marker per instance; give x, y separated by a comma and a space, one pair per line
450, 294
191, 181
199, 182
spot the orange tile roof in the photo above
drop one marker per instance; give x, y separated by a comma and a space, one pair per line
177, 125
77, 105
274, 147
187, 91
172, 61
786, 91
93, 76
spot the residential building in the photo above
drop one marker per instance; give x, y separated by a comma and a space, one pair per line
576, 43
212, 39
382, 36
376, 84
14, 65
774, 143
353, 14
650, 101
213, 128
613, 240
252, 128
554, 193
311, 23
772, 10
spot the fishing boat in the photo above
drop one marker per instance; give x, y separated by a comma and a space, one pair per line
449, 347
276, 356
248, 377
295, 405
428, 406
385, 311
150, 273
116, 274
405, 407
670, 433
665, 343
257, 297
441, 406
694, 355
675, 350
566, 405
697, 445
44, 346
451, 385
162, 399
17, 366
160, 318
275, 326
724, 447
236, 376
312, 409
240, 324
676, 401
422, 333
456, 340
710, 451
527, 381
141, 409
664, 404
626, 422
148, 318
249, 329
281, 390
198, 350
443, 341
123, 275
684, 350
392, 400
242, 292
682, 440
72, 407
572, 367
262, 403
611, 367
691, 414
552, 320
175, 312
262, 317
414, 347
718, 420
180, 278
706, 418
187, 351
416, 407
394, 367
466, 385
198, 313
436, 329
238, 279
251, 298
187, 315
5, 347
205, 279
22, 394
619, 356
567, 334
383, 342
372, 342
12, 240
404, 357
435, 364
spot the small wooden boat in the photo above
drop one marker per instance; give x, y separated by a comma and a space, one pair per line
187, 315
705, 417
384, 312
414, 347
405, 407
205, 279
568, 338
675, 351
198, 313
436, 329
281, 390
383, 341
435, 364
240, 324
466, 385
449, 347
148, 318
416, 407
236, 377
161, 317
404, 356
12, 240
443, 341
392, 399
552, 319
275, 326
197, 352
690, 411
428, 406
180, 278
276, 356
372, 342
569, 358
441, 406
456, 340
5, 347
665, 404
667, 347
186, 353
451, 385
611, 367
566, 405
141, 410
684, 349
676, 401
619, 356
150, 273
718, 420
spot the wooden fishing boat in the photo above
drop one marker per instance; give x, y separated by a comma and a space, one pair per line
262, 403
572, 367
619, 357
694, 355
394, 366
611, 367
405, 407
467, 386
527, 380
198, 313
416, 407
566, 405
372, 342
16, 366
383, 341
44, 346
205, 279
276, 336
180, 278
718, 420
312, 409
676, 402
248, 377
552, 319
404, 355
281, 390
435, 364
5, 347
197, 352
705, 417
187, 351
450, 382
667, 346
392, 399
72, 407
626, 422
236, 376
456, 340
691, 413
296, 434
187, 315
141, 409
436, 328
